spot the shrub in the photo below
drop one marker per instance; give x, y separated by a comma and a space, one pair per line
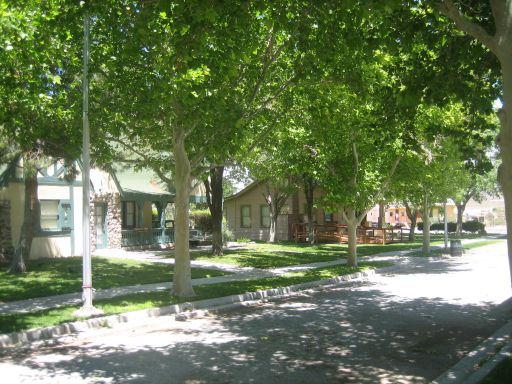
201, 219
227, 235
452, 227
473, 226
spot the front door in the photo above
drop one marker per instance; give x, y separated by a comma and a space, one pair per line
100, 225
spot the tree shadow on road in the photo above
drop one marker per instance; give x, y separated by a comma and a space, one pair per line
331, 335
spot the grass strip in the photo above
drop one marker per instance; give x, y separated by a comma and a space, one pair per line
284, 254
49, 277
21, 322
501, 373
466, 247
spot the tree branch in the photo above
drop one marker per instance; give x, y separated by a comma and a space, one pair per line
450, 10
356, 164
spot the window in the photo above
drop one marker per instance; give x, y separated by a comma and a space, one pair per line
328, 217
128, 214
49, 215
56, 215
245, 216
156, 215
264, 216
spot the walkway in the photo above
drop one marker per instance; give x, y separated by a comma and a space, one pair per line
236, 274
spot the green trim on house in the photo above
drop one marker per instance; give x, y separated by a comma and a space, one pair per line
197, 199
58, 176
73, 235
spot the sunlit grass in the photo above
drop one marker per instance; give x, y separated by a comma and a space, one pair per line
19, 322
48, 277
466, 247
283, 254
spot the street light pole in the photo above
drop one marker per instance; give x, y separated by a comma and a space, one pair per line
445, 227
87, 309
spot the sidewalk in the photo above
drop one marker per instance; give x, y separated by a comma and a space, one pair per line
237, 274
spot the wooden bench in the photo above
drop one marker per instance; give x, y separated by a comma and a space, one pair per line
339, 233
331, 232
300, 232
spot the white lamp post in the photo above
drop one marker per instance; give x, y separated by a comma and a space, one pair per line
87, 309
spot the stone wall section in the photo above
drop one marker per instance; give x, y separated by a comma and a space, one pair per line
6, 248
113, 218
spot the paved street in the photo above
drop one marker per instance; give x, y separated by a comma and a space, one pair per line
404, 328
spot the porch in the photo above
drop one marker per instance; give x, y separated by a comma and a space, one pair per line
146, 236
339, 233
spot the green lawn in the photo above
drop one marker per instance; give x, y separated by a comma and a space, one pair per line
501, 373
466, 247
19, 322
283, 254
47, 277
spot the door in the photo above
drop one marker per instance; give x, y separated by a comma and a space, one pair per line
100, 225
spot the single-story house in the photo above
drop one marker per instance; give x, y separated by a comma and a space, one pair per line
396, 214
248, 215
128, 208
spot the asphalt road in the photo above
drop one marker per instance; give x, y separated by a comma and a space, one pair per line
408, 327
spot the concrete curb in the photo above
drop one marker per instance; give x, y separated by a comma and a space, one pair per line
473, 368
220, 303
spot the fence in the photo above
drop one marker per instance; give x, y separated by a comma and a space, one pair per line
147, 236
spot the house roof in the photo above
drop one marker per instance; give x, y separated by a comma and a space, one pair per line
141, 183
243, 191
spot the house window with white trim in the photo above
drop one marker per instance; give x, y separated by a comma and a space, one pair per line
264, 216
128, 214
245, 211
49, 214
55, 215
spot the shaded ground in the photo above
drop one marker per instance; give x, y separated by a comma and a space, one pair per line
406, 328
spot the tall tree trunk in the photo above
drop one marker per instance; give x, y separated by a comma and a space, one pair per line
499, 43
352, 223
426, 224
412, 230
273, 226
412, 214
214, 196
382, 215
275, 199
182, 282
460, 212
505, 143
505, 171
30, 221
309, 189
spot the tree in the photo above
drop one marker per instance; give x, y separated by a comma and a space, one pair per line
427, 174
489, 23
475, 186
269, 164
199, 74
357, 173
214, 186
39, 95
